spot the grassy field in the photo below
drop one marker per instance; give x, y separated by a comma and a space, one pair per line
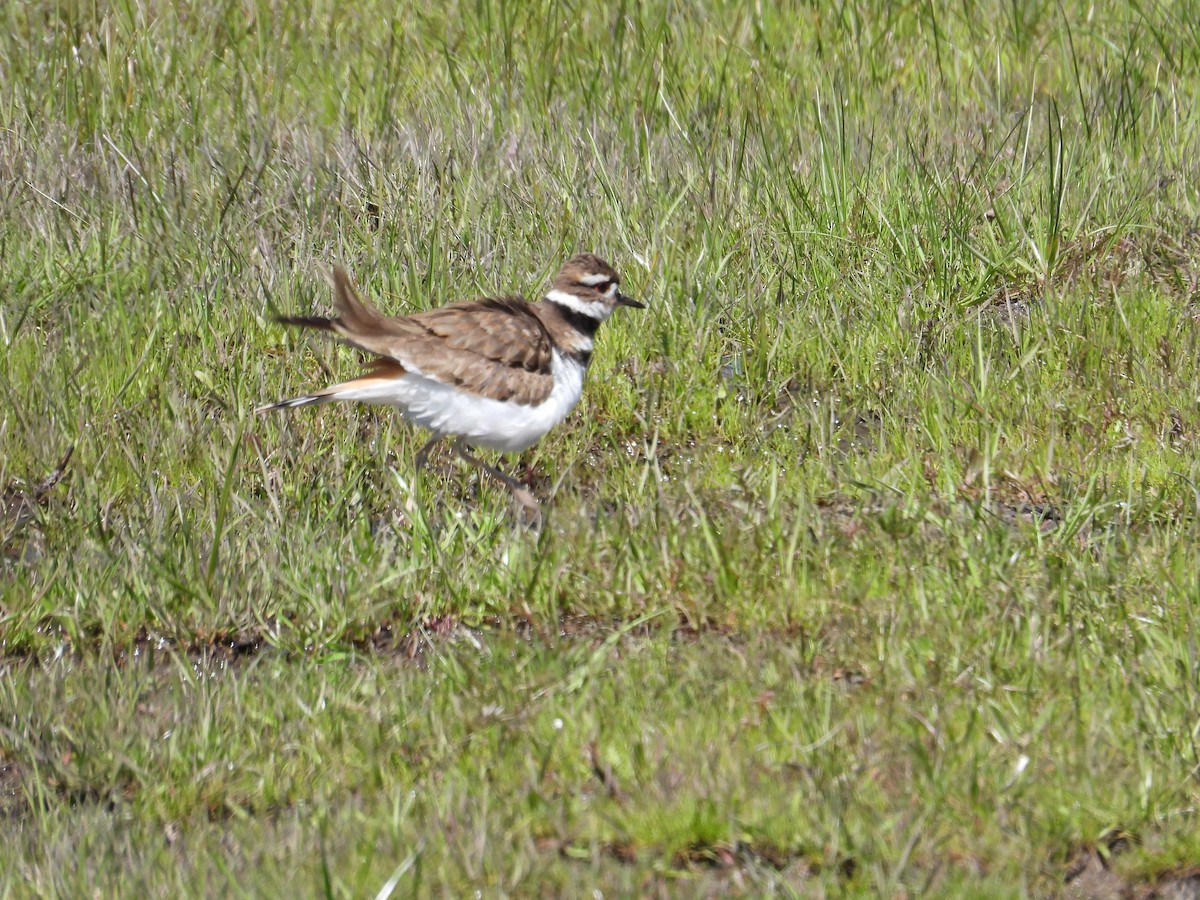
870, 558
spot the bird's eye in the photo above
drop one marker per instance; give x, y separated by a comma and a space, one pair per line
602, 287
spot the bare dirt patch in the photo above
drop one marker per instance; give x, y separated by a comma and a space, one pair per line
1090, 875
12, 797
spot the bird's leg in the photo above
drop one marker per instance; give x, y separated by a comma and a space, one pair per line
422, 456
420, 459
521, 493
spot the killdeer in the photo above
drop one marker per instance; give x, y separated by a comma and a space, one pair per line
496, 373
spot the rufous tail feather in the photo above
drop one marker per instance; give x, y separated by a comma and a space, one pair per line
377, 370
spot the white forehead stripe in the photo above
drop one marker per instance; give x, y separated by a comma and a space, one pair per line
593, 280
593, 309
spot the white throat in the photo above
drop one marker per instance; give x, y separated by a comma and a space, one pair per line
593, 309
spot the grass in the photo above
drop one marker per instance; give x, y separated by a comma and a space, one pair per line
869, 560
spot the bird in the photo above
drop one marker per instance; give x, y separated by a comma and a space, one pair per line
495, 373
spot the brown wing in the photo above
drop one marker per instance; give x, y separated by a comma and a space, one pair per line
497, 348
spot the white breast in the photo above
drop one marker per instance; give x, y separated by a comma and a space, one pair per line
480, 421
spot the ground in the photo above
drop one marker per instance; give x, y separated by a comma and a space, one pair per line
868, 562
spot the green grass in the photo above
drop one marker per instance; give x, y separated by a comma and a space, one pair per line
869, 561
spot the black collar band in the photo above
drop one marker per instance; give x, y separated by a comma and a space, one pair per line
581, 322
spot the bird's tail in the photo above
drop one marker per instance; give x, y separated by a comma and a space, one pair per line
292, 403
358, 324
379, 371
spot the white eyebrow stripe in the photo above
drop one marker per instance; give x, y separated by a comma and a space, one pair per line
593, 280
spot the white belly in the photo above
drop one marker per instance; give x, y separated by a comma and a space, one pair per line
480, 421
